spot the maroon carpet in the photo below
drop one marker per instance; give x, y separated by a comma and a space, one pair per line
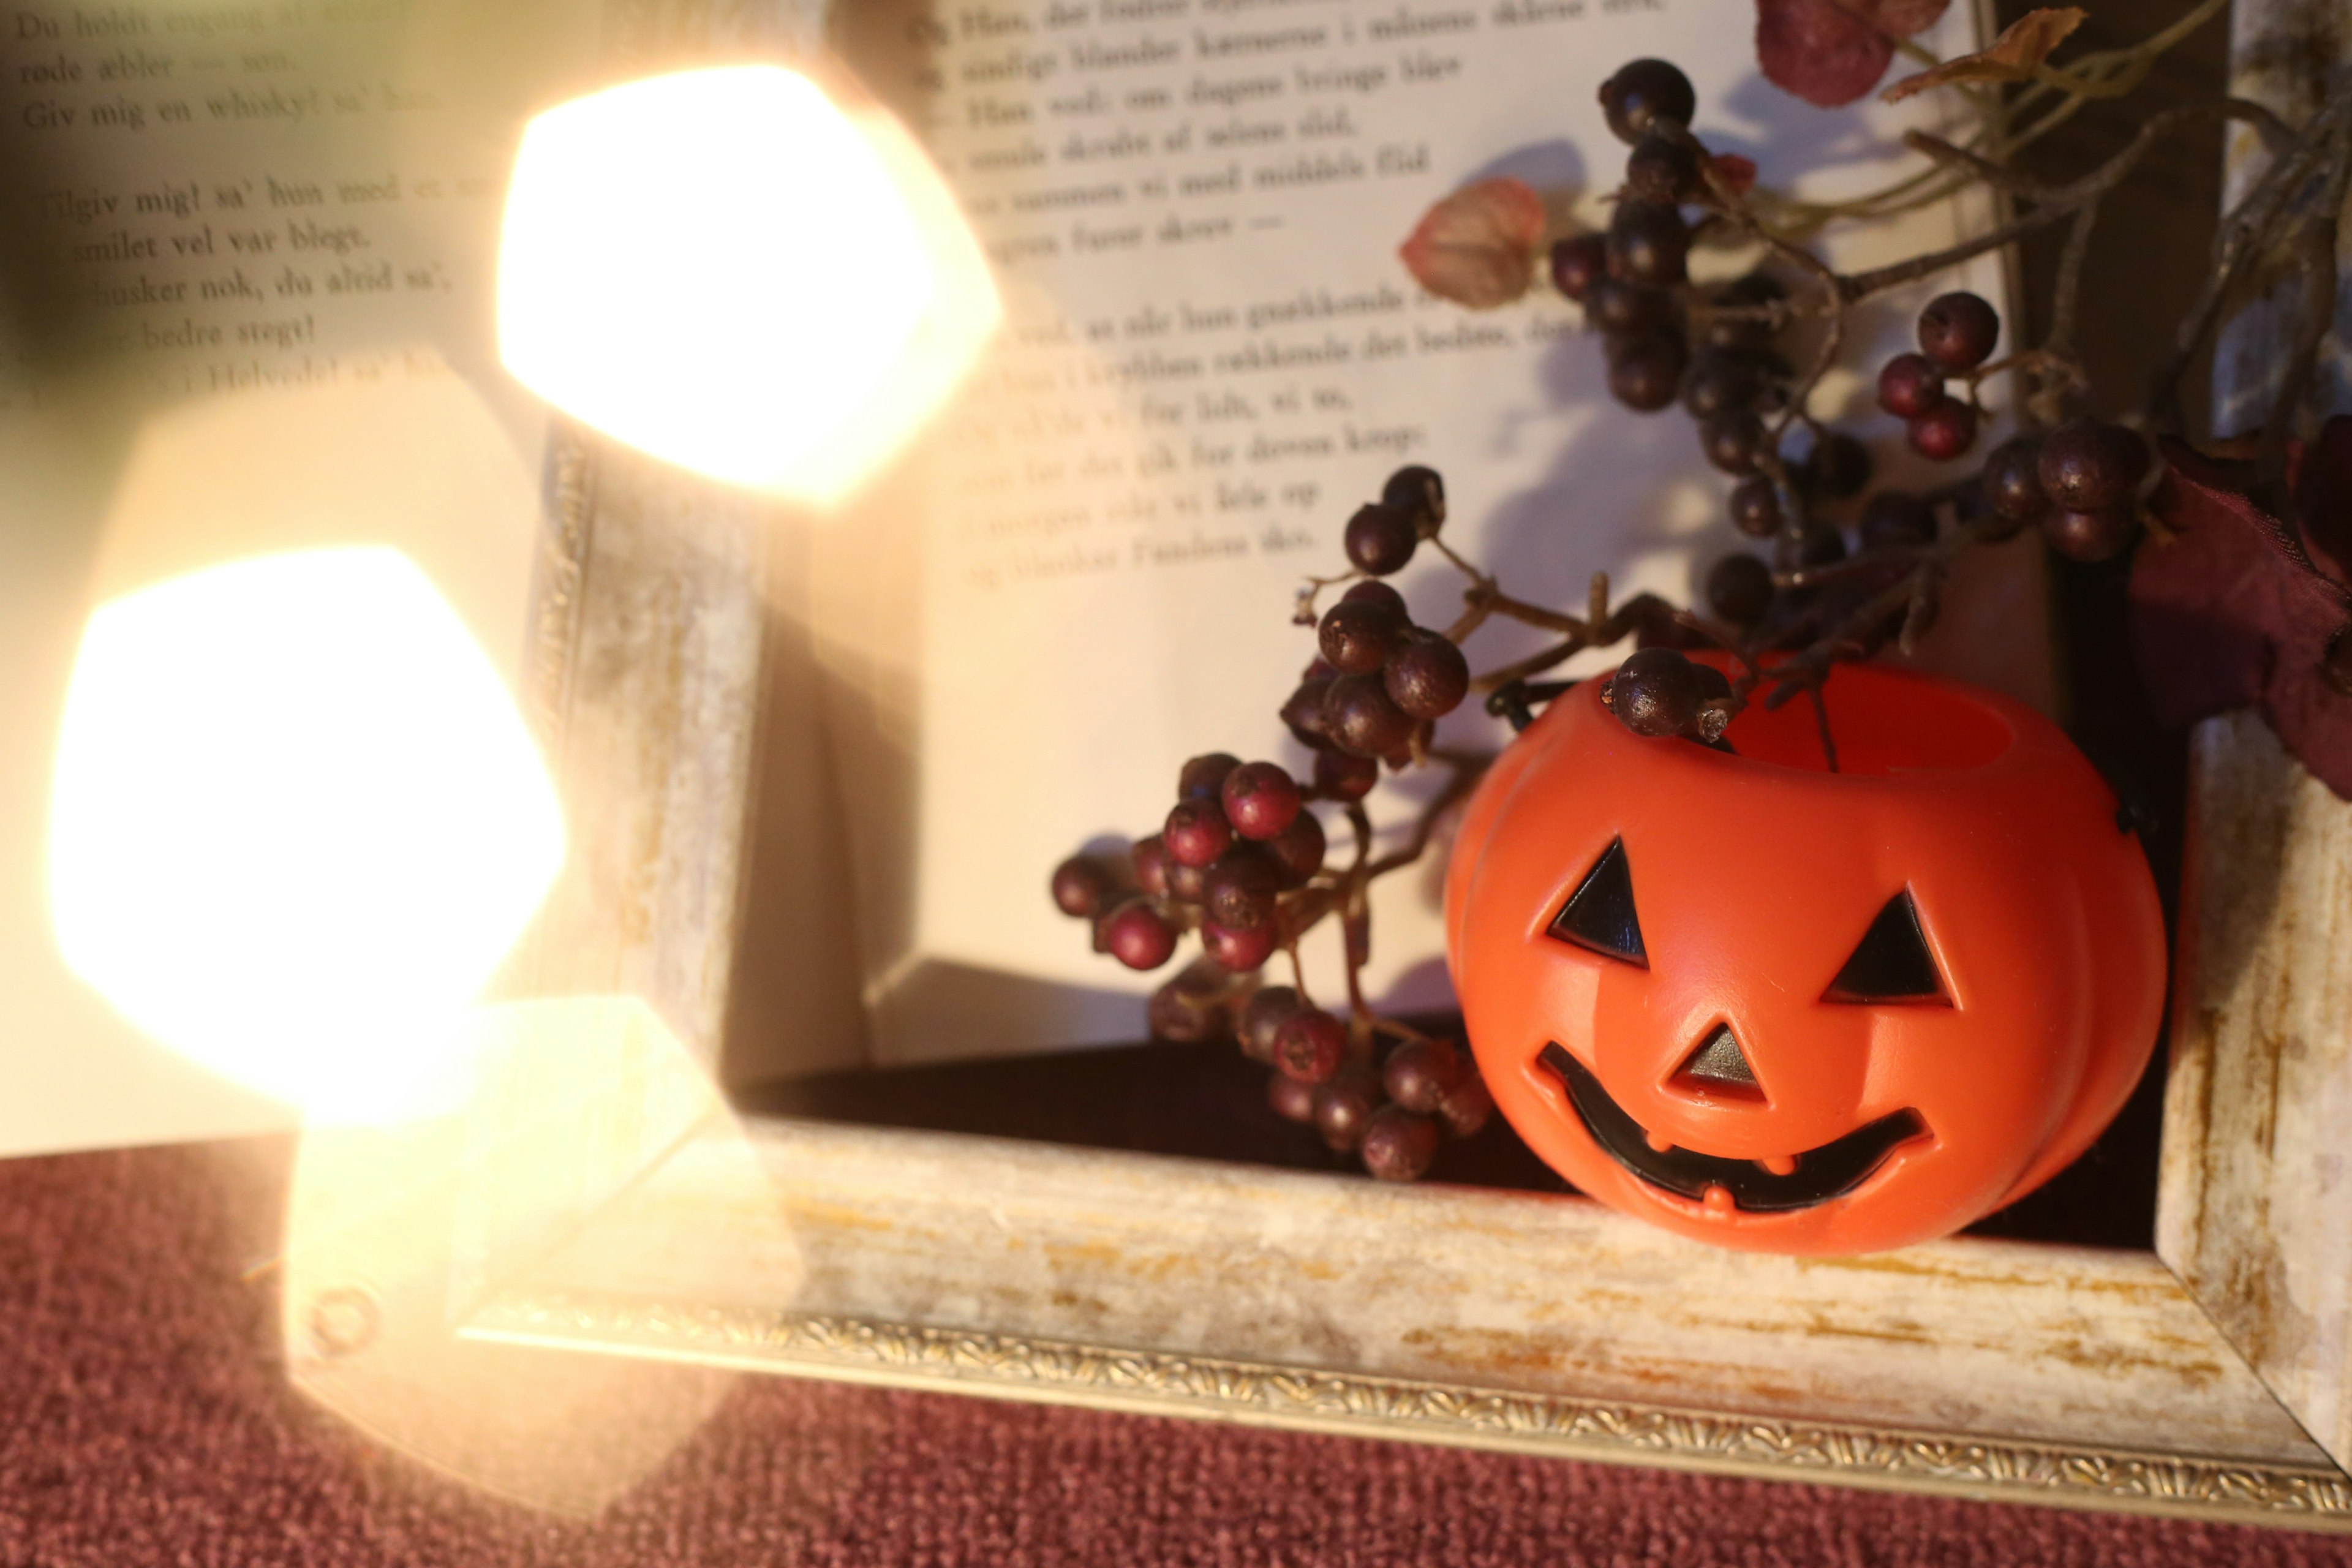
143, 1421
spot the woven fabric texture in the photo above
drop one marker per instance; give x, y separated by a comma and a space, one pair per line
144, 1419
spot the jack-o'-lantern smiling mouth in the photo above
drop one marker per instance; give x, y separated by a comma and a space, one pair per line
1820, 1174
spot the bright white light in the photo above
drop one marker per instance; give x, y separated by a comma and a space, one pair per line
724, 270
297, 822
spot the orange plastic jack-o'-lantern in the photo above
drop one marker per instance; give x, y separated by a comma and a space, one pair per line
1776, 1008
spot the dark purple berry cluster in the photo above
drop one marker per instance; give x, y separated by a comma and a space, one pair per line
1392, 1115
1240, 861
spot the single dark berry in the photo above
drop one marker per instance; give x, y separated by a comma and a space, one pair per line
1192, 1006
1645, 370
1260, 799
1363, 718
1626, 308
1910, 386
1183, 882
1150, 858
1080, 884
1649, 244
1756, 507
1239, 891
2089, 466
1304, 712
1468, 1108
1427, 676
1262, 1016
1663, 168
1339, 776
1309, 1044
1372, 592
1292, 1100
1733, 440
1739, 589
1958, 331
1896, 519
1135, 935
1380, 538
2012, 479
1398, 1146
1719, 382
1945, 431
1238, 951
1196, 833
1420, 493
1740, 334
1838, 466
2089, 535
1420, 1073
1643, 92
1712, 682
1357, 636
1344, 1107
1655, 692
1578, 263
1297, 850
1201, 777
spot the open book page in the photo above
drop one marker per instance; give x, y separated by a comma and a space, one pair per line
249, 272
1213, 356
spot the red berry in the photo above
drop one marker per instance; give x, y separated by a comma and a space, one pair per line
1186, 1010
1398, 1145
2088, 467
2089, 535
1910, 386
1297, 850
1266, 1013
1309, 1044
2012, 479
1421, 1073
1739, 589
1373, 592
1344, 1107
1362, 719
1203, 776
1733, 440
1357, 636
1304, 712
1427, 676
1620, 307
1260, 799
1197, 832
1151, 856
1655, 692
1945, 431
1183, 882
1291, 1099
1466, 1107
1646, 371
1239, 891
1380, 538
1578, 263
1958, 331
1239, 950
1756, 507
1079, 884
1339, 776
1135, 935
1649, 244
1642, 93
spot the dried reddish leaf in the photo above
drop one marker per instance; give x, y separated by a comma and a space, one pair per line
2022, 45
2226, 615
1830, 52
1738, 174
1478, 247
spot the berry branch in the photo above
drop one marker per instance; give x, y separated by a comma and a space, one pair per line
1241, 860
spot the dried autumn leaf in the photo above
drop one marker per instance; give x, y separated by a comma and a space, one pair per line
2226, 613
1830, 52
2022, 45
1478, 247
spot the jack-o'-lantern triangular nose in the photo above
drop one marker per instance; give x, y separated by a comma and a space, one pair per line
1718, 1066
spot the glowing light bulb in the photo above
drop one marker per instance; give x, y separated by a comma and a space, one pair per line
297, 822
725, 270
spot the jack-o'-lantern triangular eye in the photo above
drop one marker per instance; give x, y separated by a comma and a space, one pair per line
1600, 915
1891, 964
